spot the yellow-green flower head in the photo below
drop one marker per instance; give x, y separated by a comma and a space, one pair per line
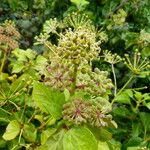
78, 45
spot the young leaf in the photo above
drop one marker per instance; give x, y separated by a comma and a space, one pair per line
48, 100
12, 130
79, 138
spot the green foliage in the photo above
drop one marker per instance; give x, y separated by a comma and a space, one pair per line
47, 100
82, 82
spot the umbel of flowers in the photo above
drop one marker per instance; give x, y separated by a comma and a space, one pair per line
70, 68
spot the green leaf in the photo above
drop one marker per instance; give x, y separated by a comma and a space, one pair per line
145, 118
147, 105
4, 117
124, 97
79, 138
80, 3
138, 95
48, 100
18, 84
67, 95
12, 130
136, 129
114, 145
17, 67
3, 76
46, 134
103, 146
54, 143
100, 133
133, 148
134, 141
40, 62
29, 133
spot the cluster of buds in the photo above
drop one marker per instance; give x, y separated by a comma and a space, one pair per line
58, 76
120, 17
95, 83
144, 38
9, 36
74, 51
80, 111
78, 45
137, 64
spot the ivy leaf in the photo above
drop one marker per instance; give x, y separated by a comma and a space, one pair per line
46, 134
29, 133
124, 97
12, 130
54, 143
17, 67
40, 62
103, 146
48, 100
80, 138
100, 133
80, 3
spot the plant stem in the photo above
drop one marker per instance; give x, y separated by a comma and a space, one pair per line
74, 79
3, 61
132, 76
115, 82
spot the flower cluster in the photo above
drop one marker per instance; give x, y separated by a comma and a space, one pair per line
76, 20
80, 111
58, 76
95, 83
71, 57
78, 45
111, 58
9, 36
137, 64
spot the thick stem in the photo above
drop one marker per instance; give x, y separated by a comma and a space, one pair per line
115, 82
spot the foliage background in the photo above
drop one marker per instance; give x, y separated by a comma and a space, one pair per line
125, 26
